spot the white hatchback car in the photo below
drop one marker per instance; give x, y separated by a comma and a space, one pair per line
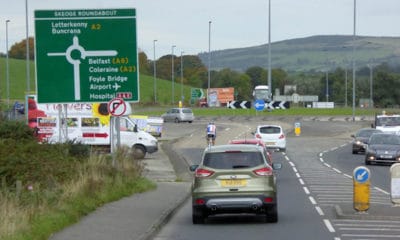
272, 135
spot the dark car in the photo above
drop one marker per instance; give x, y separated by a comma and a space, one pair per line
383, 148
232, 179
361, 139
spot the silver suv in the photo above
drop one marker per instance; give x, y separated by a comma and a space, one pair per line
234, 178
178, 115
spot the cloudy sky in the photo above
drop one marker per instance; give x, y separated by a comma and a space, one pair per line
234, 23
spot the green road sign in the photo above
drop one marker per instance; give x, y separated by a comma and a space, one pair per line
86, 55
197, 93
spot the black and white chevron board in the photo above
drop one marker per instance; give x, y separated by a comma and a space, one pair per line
247, 105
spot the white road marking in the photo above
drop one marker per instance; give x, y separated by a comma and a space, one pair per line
301, 181
319, 210
329, 225
337, 170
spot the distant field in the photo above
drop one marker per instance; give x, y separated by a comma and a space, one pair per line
17, 79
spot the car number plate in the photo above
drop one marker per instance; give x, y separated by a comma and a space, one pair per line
270, 143
233, 183
387, 156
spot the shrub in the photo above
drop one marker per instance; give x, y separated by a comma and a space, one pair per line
15, 130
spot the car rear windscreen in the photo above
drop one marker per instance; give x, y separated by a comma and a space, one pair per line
270, 130
233, 160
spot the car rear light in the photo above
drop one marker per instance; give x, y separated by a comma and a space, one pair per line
200, 201
282, 136
200, 172
258, 136
265, 171
268, 200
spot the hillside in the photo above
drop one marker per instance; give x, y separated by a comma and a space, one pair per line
315, 53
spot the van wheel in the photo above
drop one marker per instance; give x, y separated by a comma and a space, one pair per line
177, 120
138, 152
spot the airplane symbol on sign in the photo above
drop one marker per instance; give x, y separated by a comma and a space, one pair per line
116, 86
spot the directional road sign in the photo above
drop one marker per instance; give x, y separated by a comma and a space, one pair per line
239, 104
361, 174
87, 55
277, 105
259, 105
197, 93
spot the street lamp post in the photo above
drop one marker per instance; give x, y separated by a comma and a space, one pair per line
345, 87
269, 49
327, 85
209, 61
154, 71
172, 72
7, 68
182, 76
371, 79
28, 81
353, 62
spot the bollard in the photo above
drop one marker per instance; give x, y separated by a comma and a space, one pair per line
395, 184
297, 129
361, 188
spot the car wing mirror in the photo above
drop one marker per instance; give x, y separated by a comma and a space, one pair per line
193, 168
276, 166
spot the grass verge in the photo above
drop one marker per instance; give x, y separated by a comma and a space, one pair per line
36, 213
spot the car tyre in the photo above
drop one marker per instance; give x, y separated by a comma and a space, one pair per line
272, 214
176, 120
367, 162
198, 216
355, 152
138, 152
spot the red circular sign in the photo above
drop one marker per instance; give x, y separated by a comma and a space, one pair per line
117, 107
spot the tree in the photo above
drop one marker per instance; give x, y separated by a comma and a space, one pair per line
382, 82
18, 50
243, 87
279, 79
144, 63
258, 76
194, 70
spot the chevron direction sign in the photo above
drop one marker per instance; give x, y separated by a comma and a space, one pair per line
277, 105
239, 104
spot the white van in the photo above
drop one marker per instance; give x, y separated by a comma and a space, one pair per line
85, 124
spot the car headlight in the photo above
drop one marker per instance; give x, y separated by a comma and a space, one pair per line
371, 151
398, 156
358, 142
